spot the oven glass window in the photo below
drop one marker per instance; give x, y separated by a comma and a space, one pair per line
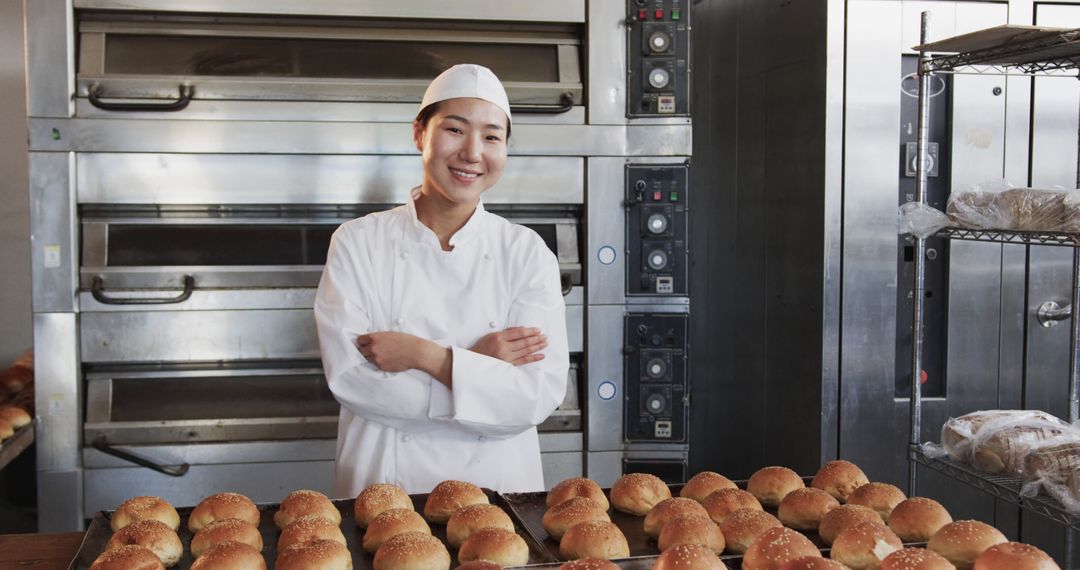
302, 57
153, 245
144, 399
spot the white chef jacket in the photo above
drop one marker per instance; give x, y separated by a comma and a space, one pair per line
387, 272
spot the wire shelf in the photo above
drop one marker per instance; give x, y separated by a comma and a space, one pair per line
1004, 236
1005, 488
1031, 51
16, 444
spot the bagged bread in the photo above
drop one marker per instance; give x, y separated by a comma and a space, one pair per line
1032, 209
974, 209
1001, 445
958, 434
1054, 459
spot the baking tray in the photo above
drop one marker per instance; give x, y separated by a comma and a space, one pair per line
99, 532
530, 509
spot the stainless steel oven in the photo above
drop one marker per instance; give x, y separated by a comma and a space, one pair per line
189, 162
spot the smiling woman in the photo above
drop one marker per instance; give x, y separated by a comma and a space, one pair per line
442, 326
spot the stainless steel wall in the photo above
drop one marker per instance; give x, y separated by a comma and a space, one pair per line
765, 225
16, 330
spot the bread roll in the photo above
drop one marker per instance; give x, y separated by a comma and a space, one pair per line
917, 519
225, 530
129, 557
577, 487
916, 559
691, 529
392, 523
720, 504
16, 378
230, 556
839, 478
688, 557
636, 493
961, 542
152, 534
771, 484
742, 527
703, 484
812, 563
378, 498
777, 546
449, 496
588, 564
412, 551
802, 509
305, 503
17, 417
666, 510
865, 545
843, 517
316, 555
223, 506
310, 528
1015, 556
882, 497
6, 430
472, 518
144, 508
594, 539
558, 519
498, 545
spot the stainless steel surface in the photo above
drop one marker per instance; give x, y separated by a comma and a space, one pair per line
54, 254
50, 61
102, 135
212, 430
197, 335
555, 11
561, 466
142, 178
59, 499
606, 467
57, 391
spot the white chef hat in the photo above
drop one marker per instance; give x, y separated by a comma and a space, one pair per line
467, 80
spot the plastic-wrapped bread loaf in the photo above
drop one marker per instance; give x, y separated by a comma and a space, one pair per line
1001, 445
975, 210
1053, 459
958, 434
1031, 209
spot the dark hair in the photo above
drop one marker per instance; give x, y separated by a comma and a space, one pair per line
425, 115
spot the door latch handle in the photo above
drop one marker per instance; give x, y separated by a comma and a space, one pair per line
1050, 313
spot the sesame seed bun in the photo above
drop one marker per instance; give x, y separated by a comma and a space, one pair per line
152, 534
498, 545
803, 509
305, 503
777, 546
666, 510
1014, 556
918, 518
577, 487
719, 504
703, 484
882, 497
742, 527
691, 529
558, 519
865, 545
844, 517
223, 506
230, 556
144, 508
449, 496
128, 557
916, 559
309, 528
771, 484
688, 557
225, 530
412, 551
378, 498
594, 539
315, 555
392, 523
839, 478
472, 518
636, 493
961, 542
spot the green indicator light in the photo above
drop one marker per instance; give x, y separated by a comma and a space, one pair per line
676, 14
674, 196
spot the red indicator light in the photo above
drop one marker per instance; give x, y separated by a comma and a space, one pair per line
643, 14
659, 14
657, 196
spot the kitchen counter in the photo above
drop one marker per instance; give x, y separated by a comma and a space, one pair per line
38, 551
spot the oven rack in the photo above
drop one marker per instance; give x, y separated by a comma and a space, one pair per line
14, 446
1002, 487
1009, 236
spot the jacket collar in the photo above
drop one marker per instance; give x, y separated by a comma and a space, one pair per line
415, 230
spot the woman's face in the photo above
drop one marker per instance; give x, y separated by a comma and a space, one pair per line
463, 147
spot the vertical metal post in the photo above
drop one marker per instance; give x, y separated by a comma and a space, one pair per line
1074, 352
919, 286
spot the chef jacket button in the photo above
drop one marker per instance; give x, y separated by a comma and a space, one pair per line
400, 321
487, 256
406, 438
491, 324
482, 438
404, 255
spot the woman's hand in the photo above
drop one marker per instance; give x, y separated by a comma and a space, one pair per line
391, 351
516, 345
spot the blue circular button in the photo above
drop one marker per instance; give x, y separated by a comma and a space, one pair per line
606, 255
606, 390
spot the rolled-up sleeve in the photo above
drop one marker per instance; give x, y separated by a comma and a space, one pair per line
396, 399
495, 398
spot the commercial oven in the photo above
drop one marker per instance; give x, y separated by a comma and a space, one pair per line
189, 163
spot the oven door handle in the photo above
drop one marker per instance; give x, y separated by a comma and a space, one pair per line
186, 91
97, 289
566, 102
101, 445
567, 283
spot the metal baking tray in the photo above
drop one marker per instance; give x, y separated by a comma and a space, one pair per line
530, 509
99, 532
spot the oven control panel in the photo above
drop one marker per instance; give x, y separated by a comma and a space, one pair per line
656, 217
656, 377
658, 58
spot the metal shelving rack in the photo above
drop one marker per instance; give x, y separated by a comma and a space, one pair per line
1009, 50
